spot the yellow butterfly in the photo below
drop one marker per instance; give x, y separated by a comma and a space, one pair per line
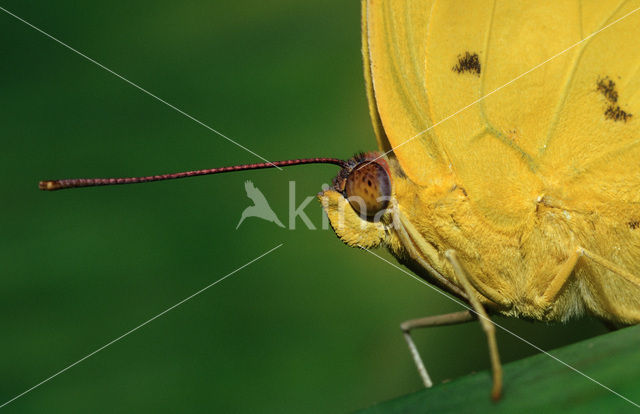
533, 187
508, 172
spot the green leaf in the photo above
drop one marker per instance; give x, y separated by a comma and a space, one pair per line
543, 384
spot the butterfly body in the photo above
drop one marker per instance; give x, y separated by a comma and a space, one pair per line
512, 266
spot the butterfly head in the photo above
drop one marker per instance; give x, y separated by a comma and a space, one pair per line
358, 203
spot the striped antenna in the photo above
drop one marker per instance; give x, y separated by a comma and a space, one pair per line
52, 185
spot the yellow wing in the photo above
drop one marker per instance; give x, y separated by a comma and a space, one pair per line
516, 99
395, 75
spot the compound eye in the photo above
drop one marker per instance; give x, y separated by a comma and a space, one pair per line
368, 189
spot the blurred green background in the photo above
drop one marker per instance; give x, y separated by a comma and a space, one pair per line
312, 327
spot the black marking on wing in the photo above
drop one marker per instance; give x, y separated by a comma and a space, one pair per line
469, 62
613, 111
607, 88
633, 224
617, 114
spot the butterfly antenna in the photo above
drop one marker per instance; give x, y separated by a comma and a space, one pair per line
52, 185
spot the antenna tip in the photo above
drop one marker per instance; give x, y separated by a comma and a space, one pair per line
49, 185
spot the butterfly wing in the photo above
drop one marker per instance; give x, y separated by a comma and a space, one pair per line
592, 144
395, 75
500, 94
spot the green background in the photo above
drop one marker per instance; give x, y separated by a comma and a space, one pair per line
312, 327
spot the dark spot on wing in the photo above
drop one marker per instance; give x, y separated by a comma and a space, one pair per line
607, 88
469, 62
617, 114
613, 111
634, 224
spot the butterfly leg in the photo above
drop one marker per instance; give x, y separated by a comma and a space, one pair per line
558, 282
485, 322
436, 320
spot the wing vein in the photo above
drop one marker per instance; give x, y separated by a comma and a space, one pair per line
495, 132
